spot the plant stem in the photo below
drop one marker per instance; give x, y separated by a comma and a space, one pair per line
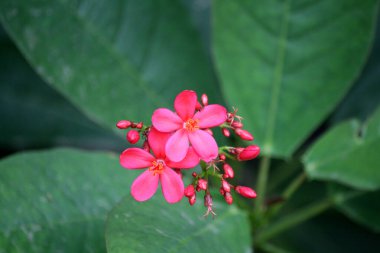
262, 184
294, 219
294, 185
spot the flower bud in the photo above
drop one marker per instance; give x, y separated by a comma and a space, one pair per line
208, 200
209, 131
123, 124
245, 192
139, 125
204, 99
146, 146
237, 124
249, 153
192, 200
244, 134
189, 191
226, 186
221, 191
194, 174
228, 198
228, 171
222, 157
202, 184
226, 132
133, 136
198, 106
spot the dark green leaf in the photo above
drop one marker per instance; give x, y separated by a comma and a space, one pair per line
57, 201
156, 226
113, 59
287, 64
348, 154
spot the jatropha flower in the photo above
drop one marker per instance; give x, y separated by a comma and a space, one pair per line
159, 169
188, 126
179, 140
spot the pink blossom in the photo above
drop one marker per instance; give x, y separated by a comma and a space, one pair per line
159, 169
188, 127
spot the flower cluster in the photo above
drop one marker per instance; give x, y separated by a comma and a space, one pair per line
181, 140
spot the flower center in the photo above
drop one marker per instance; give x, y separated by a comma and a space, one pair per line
191, 125
157, 167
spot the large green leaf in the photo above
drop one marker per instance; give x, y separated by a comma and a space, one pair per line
57, 201
363, 207
286, 64
348, 154
35, 115
156, 226
113, 59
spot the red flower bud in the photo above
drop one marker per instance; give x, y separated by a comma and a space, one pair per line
133, 136
194, 174
221, 191
123, 124
228, 171
192, 200
228, 198
204, 99
249, 153
237, 124
189, 191
244, 134
226, 132
146, 146
202, 184
245, 192
208, 200
222, 157
139, 125
226, 186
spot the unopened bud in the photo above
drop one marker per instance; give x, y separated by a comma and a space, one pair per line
237, 124
228, 198
221, 191
204, 99
226, 132
198, 106
133, 125
208, 200
226, 186
192, 200
133, 136
209, 131
139, 125
222, 157
249, 153
228, 171
202, 184
194, 174
189, 191
146, 146
245, 192
244, 134
123, 124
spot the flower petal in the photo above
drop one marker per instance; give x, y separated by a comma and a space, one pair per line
204, 144
211, 116
157, 141
166, 121
172, 185
184, 104
190, 161
177, 146
136, 158
144, 186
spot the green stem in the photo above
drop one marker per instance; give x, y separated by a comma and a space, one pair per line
262, 184
294, 219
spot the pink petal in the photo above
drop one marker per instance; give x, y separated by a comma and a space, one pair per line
184, 104
166, 121
157, 141
211, 116
136, 158
177, 146
190, 161
144, 186
204, 144
172, 185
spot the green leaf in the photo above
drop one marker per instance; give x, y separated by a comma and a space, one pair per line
348, 154
112, 59
57, 201
156, 226
287, 64
35, 115
364, 208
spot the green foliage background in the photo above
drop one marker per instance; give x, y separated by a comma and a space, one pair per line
304, 74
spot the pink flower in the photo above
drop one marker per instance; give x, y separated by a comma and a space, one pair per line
159, 169
188, 127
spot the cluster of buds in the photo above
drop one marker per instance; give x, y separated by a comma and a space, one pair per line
183, 139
